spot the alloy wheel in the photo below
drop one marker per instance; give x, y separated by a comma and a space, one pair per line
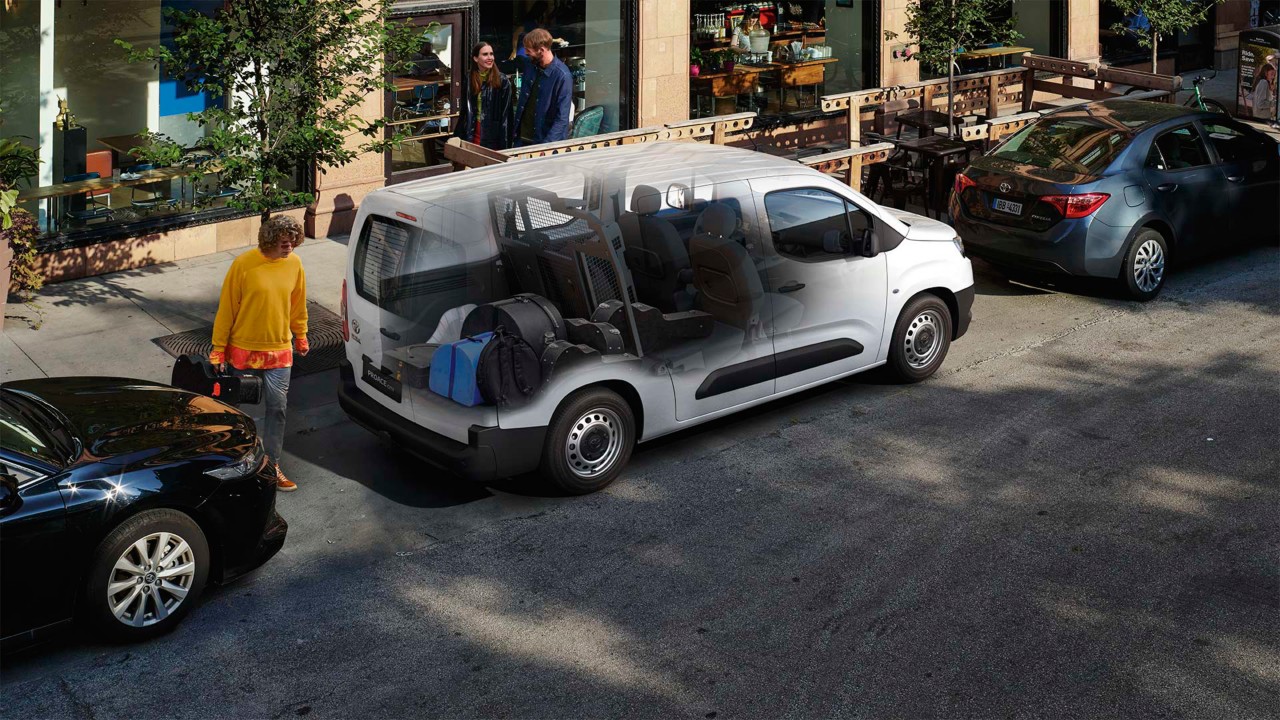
923, 340
1148, 266
151, 579
594, 443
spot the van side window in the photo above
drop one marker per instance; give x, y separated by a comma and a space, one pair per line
805, 220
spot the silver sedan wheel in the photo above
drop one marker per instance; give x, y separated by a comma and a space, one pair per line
594, 443
1148, 266
923, 340
151, 579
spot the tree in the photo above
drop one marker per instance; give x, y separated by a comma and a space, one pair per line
942, 28
1150, 20
286, 78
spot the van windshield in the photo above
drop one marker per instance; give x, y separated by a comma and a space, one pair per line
1076, 144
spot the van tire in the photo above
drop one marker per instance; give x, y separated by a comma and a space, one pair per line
589, 441
921, 339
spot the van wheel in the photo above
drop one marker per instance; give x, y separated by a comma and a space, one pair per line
920, 339
146, 575
589, 441
1144, 269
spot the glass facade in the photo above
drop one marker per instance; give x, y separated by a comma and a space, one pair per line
116, 145
424, 103
592, 37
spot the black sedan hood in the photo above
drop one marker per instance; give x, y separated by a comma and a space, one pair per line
125, 421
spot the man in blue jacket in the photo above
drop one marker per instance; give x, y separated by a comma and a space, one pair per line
546, 94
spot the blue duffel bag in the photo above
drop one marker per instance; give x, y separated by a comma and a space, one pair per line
453, 369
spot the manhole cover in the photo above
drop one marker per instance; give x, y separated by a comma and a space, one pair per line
324, 332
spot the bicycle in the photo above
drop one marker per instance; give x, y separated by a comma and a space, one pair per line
1197, 100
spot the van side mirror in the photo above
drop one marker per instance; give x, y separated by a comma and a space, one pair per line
868, 243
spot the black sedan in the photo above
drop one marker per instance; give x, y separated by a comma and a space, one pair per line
120, 500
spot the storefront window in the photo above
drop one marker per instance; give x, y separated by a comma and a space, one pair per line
592, 39
796, 53
424, 104
116, 145
1118, 35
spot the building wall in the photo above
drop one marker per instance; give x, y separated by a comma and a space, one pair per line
1232, 17
664, 61
1082, 30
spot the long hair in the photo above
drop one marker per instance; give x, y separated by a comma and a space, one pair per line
495, 77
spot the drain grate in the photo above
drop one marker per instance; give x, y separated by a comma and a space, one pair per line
324, 332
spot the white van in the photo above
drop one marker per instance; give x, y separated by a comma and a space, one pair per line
674, 283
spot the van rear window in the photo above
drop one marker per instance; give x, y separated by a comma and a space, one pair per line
378, 258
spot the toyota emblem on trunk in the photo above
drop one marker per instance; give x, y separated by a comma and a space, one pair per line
1005, 187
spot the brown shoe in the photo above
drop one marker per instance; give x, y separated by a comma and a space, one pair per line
284, 484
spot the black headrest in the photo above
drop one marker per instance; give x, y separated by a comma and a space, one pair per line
646, 200
719, 220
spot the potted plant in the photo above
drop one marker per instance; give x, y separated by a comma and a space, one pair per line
695, 61
157, 149
18, 230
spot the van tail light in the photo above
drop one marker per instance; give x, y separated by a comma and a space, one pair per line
346, 326
963, 181
1076, 206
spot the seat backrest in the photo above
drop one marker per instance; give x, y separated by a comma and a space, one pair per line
724, 274
655, 253
587, 122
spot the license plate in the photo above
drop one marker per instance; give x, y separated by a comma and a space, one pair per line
1006, 206
385, 382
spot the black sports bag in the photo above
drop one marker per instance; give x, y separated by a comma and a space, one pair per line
196, 374
508, 370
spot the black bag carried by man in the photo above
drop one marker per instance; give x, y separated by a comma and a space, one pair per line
196, 374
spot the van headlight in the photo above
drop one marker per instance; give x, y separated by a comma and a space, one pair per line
246, 464
959, 244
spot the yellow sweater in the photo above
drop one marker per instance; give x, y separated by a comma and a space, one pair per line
263, 302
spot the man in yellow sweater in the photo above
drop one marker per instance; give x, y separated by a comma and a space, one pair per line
263, 307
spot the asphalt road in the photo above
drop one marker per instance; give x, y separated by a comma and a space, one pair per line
1077, 518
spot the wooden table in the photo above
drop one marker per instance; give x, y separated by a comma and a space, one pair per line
80, 187
120, 145
800, 74
403, 84
724, 83
924, 121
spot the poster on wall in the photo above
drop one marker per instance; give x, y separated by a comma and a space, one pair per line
1259, 67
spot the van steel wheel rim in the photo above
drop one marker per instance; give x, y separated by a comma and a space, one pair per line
594, 443
1148, 266
924, 339
151, 579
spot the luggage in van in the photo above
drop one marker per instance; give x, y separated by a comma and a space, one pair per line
411, 363
602, 337
527, 316
453, 369
508, 370
560, 355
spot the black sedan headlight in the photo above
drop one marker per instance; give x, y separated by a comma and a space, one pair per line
243, 466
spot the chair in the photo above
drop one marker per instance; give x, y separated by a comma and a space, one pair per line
218, 191
587, 122
422, 104
655, 253
99, 161
156, 200
93, 210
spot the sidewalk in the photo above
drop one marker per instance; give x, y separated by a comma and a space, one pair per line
104, 325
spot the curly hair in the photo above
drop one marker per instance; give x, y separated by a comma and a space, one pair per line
277, 227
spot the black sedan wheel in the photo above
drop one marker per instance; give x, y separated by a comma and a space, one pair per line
1144, 265
147, 574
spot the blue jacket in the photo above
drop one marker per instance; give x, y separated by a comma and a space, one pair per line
555, 97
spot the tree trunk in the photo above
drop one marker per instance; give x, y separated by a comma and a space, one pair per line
1155, 48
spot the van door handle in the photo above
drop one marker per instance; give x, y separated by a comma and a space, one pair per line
390, 334
1167, 187
791, 287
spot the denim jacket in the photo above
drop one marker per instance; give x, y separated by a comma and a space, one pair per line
555, 97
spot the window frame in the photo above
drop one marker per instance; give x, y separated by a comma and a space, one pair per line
1197, 132
821, 256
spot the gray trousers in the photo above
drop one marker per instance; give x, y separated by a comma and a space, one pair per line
269, 414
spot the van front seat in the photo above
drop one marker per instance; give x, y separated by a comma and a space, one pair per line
655, 253
727, 280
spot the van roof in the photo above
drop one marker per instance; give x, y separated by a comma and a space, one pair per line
642, 163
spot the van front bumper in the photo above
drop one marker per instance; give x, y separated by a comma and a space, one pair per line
490, 453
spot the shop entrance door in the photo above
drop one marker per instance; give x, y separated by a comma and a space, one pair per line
424, 102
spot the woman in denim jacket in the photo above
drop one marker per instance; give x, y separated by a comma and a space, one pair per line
485, 115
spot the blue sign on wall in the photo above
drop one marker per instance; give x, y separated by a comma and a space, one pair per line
175, 99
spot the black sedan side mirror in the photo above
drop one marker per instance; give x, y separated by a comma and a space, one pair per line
8, 489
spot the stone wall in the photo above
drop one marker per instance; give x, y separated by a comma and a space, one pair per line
664, 61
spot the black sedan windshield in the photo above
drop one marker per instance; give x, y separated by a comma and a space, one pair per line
29, 429
1078, 144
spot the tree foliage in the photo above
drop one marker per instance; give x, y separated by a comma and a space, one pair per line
1152, 20
286, 78
939, 28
